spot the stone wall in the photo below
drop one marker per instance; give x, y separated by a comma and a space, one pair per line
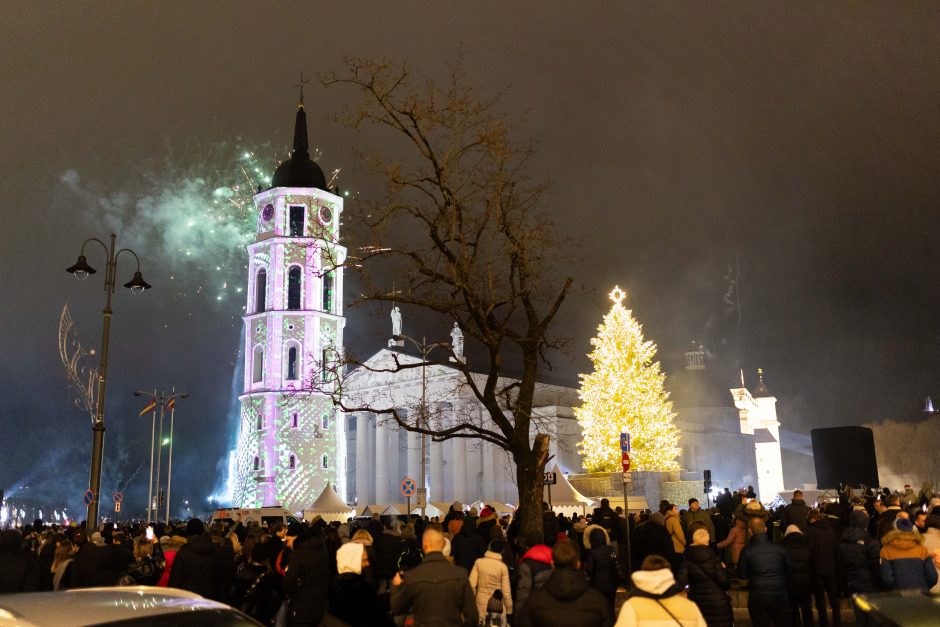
610, 484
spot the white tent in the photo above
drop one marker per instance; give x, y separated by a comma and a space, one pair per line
565, 498
329, 507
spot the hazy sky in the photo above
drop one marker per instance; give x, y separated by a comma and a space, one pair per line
795, 143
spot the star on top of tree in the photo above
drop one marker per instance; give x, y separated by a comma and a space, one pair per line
617, 295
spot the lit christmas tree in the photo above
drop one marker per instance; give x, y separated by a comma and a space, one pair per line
625, 391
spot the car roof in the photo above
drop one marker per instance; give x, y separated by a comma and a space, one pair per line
90, 606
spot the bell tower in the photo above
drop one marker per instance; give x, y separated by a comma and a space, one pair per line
289, 437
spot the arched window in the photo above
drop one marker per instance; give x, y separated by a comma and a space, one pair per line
297, 221
294, 420
326, 461
293, 287
257, 365
261, 289
325, 421
257, 463
328, 292
292, 363
292, 462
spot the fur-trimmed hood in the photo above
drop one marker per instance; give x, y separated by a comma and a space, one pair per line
587, 535
903, 544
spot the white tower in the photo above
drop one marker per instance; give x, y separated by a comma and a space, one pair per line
290, 442
758, 414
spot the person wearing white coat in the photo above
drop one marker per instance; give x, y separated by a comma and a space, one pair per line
489, 574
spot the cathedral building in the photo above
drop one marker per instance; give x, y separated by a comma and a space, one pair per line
292, 442
290, 445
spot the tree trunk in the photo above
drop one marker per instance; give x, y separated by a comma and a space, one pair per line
530, 467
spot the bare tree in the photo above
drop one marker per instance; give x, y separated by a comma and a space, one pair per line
461, 230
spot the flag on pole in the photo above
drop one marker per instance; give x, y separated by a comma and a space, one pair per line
171, 402
149, 407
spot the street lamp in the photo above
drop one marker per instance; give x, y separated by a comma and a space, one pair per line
425, 349
81, 269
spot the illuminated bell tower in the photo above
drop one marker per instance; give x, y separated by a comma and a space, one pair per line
289, 436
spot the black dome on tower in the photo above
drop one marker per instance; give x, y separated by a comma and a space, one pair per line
300, 170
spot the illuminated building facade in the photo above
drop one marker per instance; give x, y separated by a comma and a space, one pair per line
288, 448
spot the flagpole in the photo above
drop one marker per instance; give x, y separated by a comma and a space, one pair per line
169, 468
153, 433
156, 507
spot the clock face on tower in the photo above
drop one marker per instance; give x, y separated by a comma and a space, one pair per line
267, 213
325, 214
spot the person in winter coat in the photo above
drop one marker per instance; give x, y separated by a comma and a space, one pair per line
651, 538
388, 547
467, 547
490, 574
932, 543
795, 513
695, 514
766, 566
567, 598
656, 599
674, 528
824, 540
707, 580
737, 540
351, 599
61, 565
887, 516
608, 519
600, 563
800, 580
549, 525
307, 577
171, 546
200, 565
255, 591
535, 568
905, 562
146, 569
859, 560
436, 592
485, 524
19, 570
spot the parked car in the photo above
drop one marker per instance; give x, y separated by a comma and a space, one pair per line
899, 608
131, 606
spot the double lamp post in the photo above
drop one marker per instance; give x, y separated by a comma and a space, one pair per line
82, 270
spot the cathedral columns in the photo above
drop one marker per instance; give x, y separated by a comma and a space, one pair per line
380, 463
413, 453
458, 468
363, 480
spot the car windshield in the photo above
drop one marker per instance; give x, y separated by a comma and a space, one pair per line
202, 618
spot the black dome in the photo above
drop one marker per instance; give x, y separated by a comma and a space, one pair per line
300, 170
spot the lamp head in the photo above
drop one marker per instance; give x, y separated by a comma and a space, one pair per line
137, 285
81, 269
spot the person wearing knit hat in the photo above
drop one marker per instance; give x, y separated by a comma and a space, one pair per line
706, 580
800, 582
906, 564
488, 576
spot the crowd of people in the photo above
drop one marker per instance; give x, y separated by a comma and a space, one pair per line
476, 568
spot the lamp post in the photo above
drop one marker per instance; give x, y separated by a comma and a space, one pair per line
136, 285
425, 349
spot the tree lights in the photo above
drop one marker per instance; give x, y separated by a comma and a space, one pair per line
625, 393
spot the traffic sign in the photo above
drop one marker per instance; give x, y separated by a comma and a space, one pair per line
624, 442
627, 477
625, 461
549, 479
408, 487
118, 497
117, 507
88, 497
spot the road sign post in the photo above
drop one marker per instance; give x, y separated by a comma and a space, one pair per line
88, 498
625, 463
408, 489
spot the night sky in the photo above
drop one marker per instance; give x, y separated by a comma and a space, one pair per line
794, 144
